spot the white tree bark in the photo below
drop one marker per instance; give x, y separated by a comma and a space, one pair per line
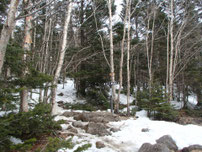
150, 50
112, 74
62, 54
128, 59
121, 59
171, 51
7, 30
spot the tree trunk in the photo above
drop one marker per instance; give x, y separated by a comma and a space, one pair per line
121, 61
171, 52
7, 30
112, 74
128, 59
27, 48
62, 54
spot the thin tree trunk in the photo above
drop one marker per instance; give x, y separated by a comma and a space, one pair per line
62, 54
121, 60
112, 74
7, 30
171, 52
168, 63
128, 60
27, 48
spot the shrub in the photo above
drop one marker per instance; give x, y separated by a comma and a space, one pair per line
27, 145
83, 148
32, 124
55, 144
98, 97
80, 106
156, 105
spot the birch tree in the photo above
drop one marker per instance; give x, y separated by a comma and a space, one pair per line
7, 30
128, 58
112, 74
150, 48
121, 59
62, 54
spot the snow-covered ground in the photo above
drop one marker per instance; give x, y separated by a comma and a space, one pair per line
130, 137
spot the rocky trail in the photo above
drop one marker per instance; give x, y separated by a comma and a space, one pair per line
113, 133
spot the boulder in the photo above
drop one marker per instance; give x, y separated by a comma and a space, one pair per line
147, 147
70, 114
61, 94
192, 148
99, 117
72, 129
97, 129
99, 144
145, 130
85, 117
168, 141
114, 129
78, 124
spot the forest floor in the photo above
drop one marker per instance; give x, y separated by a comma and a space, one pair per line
130, 132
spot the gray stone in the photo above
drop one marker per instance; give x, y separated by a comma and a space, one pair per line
99, 117
85, 117
78, 124
70, 114
72, 129
61, 94
192, 148
114, 129
168, 141
100, 144
147, 147
145, 130
97, 129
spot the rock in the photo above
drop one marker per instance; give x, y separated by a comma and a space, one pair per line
99, 117
70, 114
61, 94
72, 129
60, 102
78, 124
100, 144
168, 141
114, 129
147, 147
85, 117
97, 129
192, 148
65, 135
145, 130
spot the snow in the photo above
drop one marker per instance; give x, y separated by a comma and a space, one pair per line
184, 135
130, 137
69, 92
192, 99
16, 140
123, 99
